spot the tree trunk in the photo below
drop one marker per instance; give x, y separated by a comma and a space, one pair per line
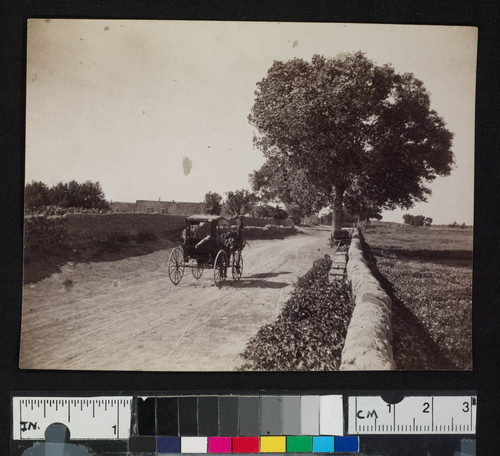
338, 211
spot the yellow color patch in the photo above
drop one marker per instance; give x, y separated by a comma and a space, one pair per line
272, 444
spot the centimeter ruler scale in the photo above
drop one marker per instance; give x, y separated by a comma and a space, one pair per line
413, 415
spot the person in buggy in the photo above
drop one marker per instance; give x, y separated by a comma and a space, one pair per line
234, 239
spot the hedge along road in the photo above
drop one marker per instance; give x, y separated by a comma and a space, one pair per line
127, 315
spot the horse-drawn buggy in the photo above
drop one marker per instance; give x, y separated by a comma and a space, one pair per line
208, 243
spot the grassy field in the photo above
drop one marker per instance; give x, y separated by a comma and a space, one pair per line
427, 271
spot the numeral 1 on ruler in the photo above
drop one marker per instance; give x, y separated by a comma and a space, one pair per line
413, 415
85, 417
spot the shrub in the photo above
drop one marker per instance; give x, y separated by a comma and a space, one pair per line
309, 333
280, 214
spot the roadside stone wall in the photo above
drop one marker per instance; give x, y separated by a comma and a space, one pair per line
368, 341
263, 221
268, 232
81, 229
90, 227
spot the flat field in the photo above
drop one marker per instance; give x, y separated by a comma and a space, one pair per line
427, 271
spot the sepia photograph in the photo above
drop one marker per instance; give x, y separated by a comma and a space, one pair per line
248, 196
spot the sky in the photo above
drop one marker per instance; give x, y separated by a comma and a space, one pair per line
125, 103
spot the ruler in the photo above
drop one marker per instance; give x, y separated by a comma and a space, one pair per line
413, 415
113, 417
102, 417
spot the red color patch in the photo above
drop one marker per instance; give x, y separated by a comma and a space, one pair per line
245, 444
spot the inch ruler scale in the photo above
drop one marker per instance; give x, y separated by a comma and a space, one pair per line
107, 417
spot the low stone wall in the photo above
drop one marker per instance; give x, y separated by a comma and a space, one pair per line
268, 232
368, 341
80, 229
87, 227
264, 221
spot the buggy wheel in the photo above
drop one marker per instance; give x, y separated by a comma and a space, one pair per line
220, 268
237, 266
197, 271
176, 265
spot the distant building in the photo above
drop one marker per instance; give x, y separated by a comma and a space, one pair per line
116, 206
159, 207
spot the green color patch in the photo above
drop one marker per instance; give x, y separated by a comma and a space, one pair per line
299, 444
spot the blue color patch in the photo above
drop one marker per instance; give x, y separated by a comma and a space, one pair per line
168, 444
347, 444
323, 444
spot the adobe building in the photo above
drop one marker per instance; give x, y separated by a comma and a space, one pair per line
159, 207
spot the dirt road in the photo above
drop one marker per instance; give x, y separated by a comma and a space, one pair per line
127, 315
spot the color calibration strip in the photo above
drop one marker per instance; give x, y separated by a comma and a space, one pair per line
241, 424
262, 444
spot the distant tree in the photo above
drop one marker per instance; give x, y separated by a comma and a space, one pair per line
58, 195
428, 221
36, 194
352, 128
92, 196
239, 202
213, 203
418, 220
408, 219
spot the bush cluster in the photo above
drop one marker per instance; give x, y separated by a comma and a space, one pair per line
267, 211
309, 333
87, 195
457, 225
417, 220
58, 210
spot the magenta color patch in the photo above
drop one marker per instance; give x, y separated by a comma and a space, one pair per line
219, 445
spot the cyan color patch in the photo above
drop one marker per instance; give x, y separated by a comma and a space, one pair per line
323, 444
348, 444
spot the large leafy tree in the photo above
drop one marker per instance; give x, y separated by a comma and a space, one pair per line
355, 130
239, 202
278, 181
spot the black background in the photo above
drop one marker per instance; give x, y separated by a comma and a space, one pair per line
485, 376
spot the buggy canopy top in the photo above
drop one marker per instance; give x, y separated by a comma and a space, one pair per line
221, 221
